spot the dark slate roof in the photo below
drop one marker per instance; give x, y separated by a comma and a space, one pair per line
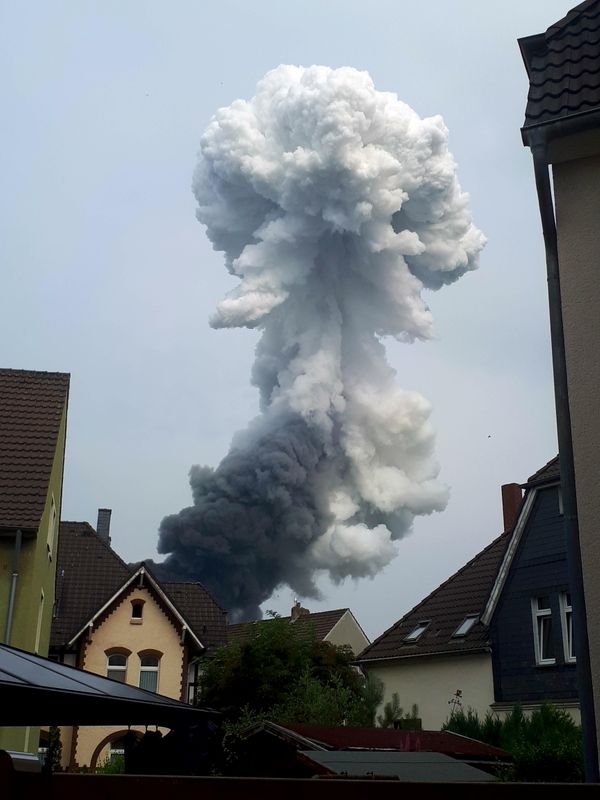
31, 407
199, 609
349, 737
550, 472
88, 573
322, 622
465, 593
36, 691
563, 65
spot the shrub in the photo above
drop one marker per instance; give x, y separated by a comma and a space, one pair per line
545, 746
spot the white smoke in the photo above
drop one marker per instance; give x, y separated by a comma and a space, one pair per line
335, 206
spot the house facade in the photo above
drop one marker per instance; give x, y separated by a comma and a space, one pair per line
499, 631
33, 422
530, 610
562, 128
123, 623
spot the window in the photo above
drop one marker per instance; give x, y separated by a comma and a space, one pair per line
542, 627
466, 625
566, 618
149, 672
137, 610
417, 632
117, 667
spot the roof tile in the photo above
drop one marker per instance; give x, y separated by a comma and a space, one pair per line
31, 408
564, 66
462, 595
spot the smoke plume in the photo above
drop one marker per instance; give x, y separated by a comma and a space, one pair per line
335, 205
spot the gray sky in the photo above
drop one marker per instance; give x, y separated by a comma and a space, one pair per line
107, 275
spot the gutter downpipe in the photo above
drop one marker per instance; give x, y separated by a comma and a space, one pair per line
567, 467
13, 586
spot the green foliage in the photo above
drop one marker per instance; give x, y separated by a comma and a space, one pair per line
285, 674
546, 746
114, 766
54, 753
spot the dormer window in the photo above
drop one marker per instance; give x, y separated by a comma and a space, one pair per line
466, 625
137, 611
417, 632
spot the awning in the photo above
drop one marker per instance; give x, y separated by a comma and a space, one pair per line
36, 691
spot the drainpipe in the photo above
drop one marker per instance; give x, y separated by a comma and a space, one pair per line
567, 467
13, 586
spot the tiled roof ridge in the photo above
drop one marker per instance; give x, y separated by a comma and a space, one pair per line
581, 10
33, 372
436, 591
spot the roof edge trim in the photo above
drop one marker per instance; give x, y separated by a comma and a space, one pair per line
508, 557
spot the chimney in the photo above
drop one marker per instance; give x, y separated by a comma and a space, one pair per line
511, 502
298, 611
103, 524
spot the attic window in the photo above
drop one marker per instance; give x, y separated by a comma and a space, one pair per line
466, 625
417, 632
137, 610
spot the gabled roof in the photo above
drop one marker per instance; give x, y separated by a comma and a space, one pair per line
462, 595
88, 573
143, 577
322, 622
563, 65
202, 613
31, 408
91, 576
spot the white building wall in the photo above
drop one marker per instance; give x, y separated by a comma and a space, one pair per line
432, 681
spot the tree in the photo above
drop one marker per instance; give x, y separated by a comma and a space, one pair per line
546, 746
284, 673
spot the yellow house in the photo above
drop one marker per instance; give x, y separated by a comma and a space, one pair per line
33, 421
126, 625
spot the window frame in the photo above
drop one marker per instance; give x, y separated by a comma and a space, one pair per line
417, 631
473, 619
117, 651
566, 624
149, 670
137, 603
538, 615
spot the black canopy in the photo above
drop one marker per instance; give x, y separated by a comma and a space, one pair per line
36, 691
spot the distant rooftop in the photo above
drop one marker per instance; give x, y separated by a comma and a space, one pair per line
322, 622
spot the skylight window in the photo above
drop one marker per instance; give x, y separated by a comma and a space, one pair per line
466, 625
417, 632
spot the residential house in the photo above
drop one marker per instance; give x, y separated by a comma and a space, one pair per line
121, 622
529, 611
499, 630
33, 423
562, 128
338, 627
